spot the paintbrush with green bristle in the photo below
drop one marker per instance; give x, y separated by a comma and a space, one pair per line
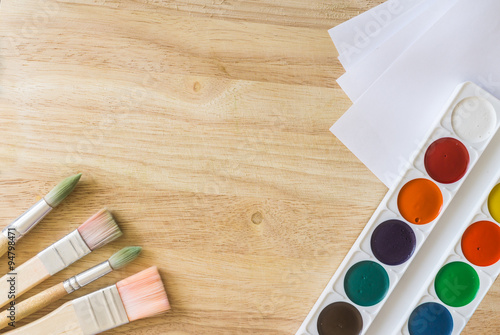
23, 224
42, 299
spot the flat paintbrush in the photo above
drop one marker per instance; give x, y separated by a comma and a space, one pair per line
25, 308
23, 224
136, 297
98, 230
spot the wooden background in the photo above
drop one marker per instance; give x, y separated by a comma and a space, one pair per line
203, 125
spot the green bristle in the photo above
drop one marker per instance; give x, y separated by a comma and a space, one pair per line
62, 190
124, 256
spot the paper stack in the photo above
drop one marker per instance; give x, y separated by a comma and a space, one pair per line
403, 59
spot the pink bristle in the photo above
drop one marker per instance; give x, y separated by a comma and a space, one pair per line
99, 229
143, 294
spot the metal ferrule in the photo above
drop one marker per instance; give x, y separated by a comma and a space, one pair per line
100, 311
23, 224
86, 277
64, 252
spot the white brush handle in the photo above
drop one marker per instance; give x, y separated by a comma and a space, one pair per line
29, 274
61, 321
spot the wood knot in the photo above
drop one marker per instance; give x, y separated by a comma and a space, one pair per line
197, 86
257, 217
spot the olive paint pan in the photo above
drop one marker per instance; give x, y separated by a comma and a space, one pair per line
406, 215
462, 278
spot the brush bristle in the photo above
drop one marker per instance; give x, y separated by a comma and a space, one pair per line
99, 230
62, 190
143, 294
124, 256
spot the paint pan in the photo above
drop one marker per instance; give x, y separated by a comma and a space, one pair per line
455, 288
407, 215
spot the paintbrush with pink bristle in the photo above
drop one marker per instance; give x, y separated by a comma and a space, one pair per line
29, 306
139, 296
97, 231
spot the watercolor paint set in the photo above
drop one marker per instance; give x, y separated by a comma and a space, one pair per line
455, 288
407, 215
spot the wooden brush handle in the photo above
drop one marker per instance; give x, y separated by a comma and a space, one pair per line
29, 274
61, 321
4, 244
33, 304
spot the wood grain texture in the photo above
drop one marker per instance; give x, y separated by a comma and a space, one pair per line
33, 304
4, 244
203, 126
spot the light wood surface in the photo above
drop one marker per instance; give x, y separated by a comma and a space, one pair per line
203, 125
33, 304
4, 244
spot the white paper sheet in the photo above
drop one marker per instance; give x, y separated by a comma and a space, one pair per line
385, 125
357, 37
364, 73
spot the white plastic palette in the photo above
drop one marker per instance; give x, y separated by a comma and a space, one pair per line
465, 275
406, 215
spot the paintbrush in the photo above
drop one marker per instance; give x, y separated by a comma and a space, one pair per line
23, 224
98, 230
139, 296
21, 310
